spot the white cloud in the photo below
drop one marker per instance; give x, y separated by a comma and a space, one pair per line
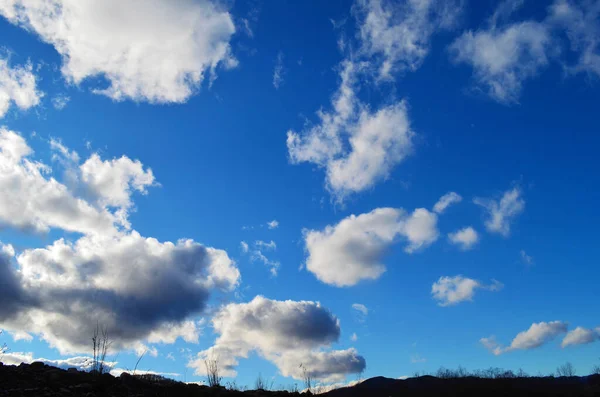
397, 35
537, 335
359, 307
82, 363
465, 238
279, 71
450, 291
356, 146
351, 251
581, 21
18, 86
502, 212
502, 57
446, 201
60, 101
581, 336
138, 288
287, 333
264, 245
21, 335
354, 337
274, 224
112, 181
257, 255
157, 51
527, 259
31, 199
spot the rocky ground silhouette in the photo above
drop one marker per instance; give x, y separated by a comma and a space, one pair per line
38, 379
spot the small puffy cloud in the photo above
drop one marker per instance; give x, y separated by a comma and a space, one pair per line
18, 86
501, 213
287, 333
112, 181
397, 35
465, 238
537, 335
581, 336
502, 54
266, 245
274, 224
450, 291
354, 337
257, 254
60, 101
31, 199
279, 71
446, 201
359, 307
357, 146
351, 251
157, 51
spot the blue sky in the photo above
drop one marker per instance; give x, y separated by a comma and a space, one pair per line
345, 122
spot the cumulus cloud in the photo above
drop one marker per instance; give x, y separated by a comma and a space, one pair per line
354, 337
450, 291
581, 336
244, 247
112, 181
351, 251
398, 34
287, 333
157, 51
355, 145
446, 201
465, 238
358, 145
137, 287
537, 335
504, 54
31, 199
501, 213
503, 57
18, 86
274, 224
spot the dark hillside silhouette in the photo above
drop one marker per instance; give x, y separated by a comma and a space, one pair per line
38, 379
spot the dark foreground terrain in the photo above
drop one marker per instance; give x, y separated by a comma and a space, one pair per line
42, 380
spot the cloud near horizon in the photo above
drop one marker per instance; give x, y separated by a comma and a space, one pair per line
287, 333
537, 335
137, 287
